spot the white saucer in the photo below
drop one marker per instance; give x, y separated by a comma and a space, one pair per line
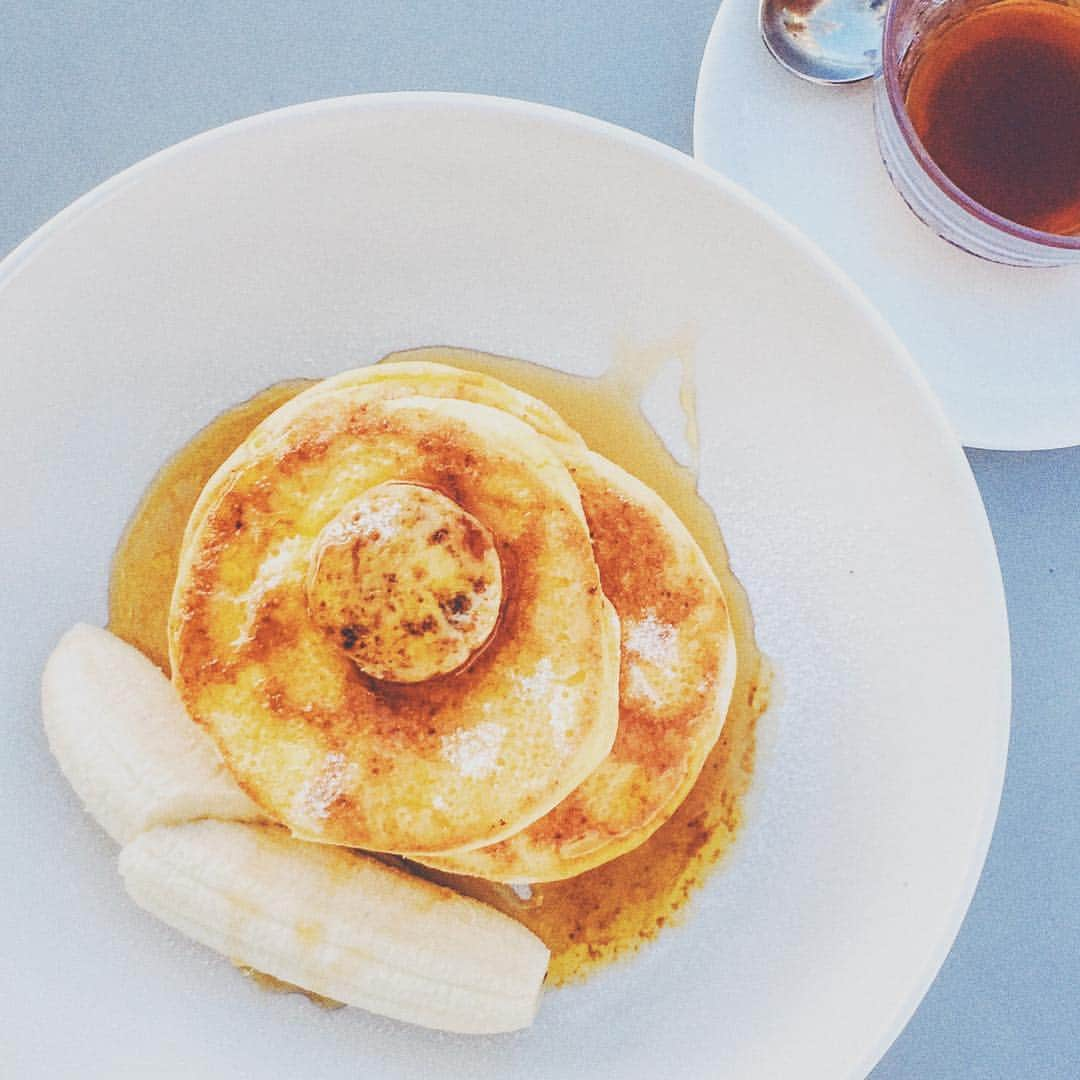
1001, 346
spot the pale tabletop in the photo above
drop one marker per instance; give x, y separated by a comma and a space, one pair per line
89, 88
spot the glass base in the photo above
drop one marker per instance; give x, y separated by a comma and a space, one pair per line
950, 220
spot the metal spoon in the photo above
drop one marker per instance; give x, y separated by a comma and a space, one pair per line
825, 41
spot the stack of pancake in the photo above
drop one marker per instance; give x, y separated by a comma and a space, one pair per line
418, 615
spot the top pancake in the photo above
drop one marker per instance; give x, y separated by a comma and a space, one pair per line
423, 372
444, 764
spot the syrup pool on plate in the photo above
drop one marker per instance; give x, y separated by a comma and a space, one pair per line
608, 912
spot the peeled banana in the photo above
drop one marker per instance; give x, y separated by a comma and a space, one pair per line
340, 924
125, 742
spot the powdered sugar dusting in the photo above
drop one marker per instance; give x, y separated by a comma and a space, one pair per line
542, 685
273, 572
366, 519
639, 686
474, 752
521, 889
562, 717
652, 640
334, 778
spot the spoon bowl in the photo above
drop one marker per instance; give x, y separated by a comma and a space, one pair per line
825, 41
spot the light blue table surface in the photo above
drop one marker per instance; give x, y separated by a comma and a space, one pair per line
88, 87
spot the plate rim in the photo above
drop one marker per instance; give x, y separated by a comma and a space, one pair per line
959, 470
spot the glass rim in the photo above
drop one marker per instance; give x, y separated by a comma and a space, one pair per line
890, 67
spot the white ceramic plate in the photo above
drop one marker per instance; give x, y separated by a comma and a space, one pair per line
997, 343
320, 237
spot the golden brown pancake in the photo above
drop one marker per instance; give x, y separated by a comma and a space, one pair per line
312, 695
398, 375
677, 671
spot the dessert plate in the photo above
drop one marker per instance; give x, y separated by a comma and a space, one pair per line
309, 240
997, 343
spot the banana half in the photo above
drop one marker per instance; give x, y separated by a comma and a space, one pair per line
125, 742
340, 924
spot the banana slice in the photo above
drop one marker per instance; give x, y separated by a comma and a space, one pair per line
339, 924
125, 742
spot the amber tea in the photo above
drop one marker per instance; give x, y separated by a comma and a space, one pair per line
994, 95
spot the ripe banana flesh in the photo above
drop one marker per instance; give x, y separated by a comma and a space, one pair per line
340, 924
125, 742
